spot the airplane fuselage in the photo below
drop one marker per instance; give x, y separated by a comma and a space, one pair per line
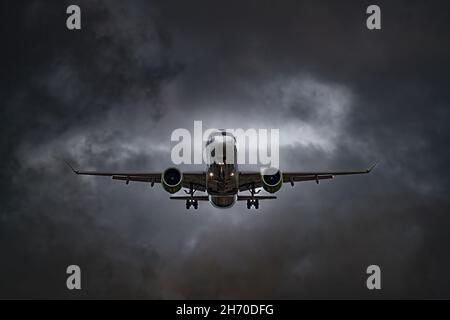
222, 184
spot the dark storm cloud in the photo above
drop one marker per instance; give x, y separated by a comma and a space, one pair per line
72, 85
109, 95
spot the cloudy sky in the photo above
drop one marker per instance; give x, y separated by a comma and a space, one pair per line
108, 97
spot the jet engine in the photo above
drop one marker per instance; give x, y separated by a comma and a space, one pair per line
171, 180
272, 180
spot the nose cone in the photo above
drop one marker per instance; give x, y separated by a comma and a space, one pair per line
222, 202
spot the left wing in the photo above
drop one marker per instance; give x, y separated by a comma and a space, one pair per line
190, 179
253, 179
292, 177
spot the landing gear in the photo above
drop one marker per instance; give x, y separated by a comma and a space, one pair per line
191, 202
253, 202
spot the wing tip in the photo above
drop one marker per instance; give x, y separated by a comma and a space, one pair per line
68, 164
373, 166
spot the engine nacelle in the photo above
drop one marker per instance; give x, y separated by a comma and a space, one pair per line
272, 180
171, 180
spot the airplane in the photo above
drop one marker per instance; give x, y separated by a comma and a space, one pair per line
222, 181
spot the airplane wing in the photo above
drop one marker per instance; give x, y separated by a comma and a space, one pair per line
248, 180
194, 179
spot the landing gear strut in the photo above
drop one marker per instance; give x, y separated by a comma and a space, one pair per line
191, 202
253, 202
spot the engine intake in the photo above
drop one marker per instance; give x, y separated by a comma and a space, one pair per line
272, 180
171, 180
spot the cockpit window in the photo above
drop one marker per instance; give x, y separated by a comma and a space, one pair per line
220, 134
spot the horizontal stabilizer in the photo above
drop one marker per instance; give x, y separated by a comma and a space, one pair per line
245, 198
198, 198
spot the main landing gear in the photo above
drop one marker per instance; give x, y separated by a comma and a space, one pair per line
191, 202
253, 202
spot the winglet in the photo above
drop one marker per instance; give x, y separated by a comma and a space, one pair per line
75, 171
372, 166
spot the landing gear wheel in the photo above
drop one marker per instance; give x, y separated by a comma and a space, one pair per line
253, 202
191, 202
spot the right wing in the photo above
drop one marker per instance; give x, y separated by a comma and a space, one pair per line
190, 179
